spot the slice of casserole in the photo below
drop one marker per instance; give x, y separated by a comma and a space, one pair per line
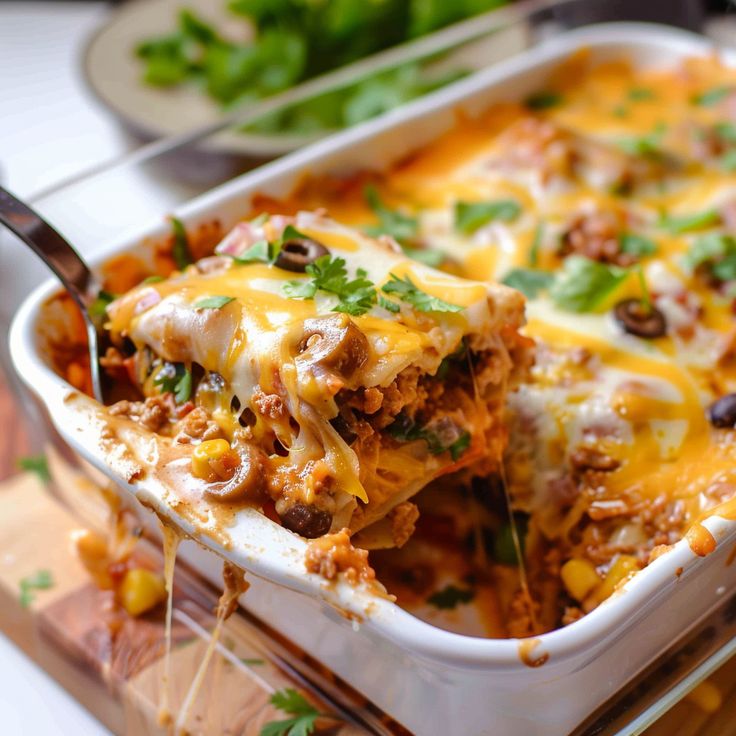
318, 374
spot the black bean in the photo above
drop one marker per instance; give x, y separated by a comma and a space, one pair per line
638, 319
296, 254
307, 520
722, 413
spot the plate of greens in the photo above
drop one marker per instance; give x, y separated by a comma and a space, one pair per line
169, 66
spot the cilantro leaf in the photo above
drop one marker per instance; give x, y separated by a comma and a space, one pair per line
440, 436
726, 131
427, 256
583, 283
728, 161
213, 302
637, 245
39, 580
180, 251
99, 306
536, 243
260, 252
645, 145
543, 100
470, 216
637, 94
409, 292
717, 252
37, 464
450, 597
388, 304
458, 448
304, 715
175, 378
504, 546
712, 96
687, 223
399, 226
528, 281
329, 274
152, 279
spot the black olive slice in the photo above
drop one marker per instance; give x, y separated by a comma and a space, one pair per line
722, 413
297, 253
307, 520
638, 319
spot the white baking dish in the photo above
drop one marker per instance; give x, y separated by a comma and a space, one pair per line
434, 682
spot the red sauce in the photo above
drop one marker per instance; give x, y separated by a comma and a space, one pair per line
526, 646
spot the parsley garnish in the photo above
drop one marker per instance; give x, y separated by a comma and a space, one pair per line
175, 378
687, 223
583, 283
528, 281
712, 96
399, 226
329, 274
637, 245
450, 597
637, 94
304, 715
40, 580
260, 252
543, 100
717, 252
37, 464
405, 429
99, 306
470, 216
180, 251
388, 304
726, 131
409, 292
645, 145
213, 302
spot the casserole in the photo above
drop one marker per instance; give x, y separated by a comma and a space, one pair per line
432, 681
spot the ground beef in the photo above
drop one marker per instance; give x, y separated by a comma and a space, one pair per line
269, 405
403, 519
333, 553
596, 236
154, 413
197, 425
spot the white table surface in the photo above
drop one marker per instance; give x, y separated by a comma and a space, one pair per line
50, 128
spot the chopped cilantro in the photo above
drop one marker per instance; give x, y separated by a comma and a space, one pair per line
39, 580
252, 661
458, 448
399, 226
37, 464
329, 274
152, 279
470, 216
688, 223
504, 546
175, 378
213, 302
645, 145
583, 283
726, 131
620, 111
717, 252
711, 97
303, 715
528, 281
637, 245
536, 243
99, 306
728, 161
427, 256
543, 100
409, 292
439, 439
180, 251
638, 94
388, 304
450, 597
260, 252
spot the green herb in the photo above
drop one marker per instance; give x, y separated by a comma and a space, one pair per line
543, 100
536, 243
399, 226
469, 216
329, 274
40, 580
583, 283
450, 597
711, 97
528, 281
504, 545
427, 256
636, 245
180, 251
303, 715
688, 223
645, 145
637, 94
252, 661
260, 252
405, 429
152, 279
717, 252
175, 378
620, 111
728, 161
37, 464
98, 307
458, 448
726, 131
213, 302
646, 297
406, 290
388, 304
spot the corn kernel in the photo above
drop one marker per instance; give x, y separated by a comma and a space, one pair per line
622, 567
141, 590
706, 696
207, 453
579, 577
